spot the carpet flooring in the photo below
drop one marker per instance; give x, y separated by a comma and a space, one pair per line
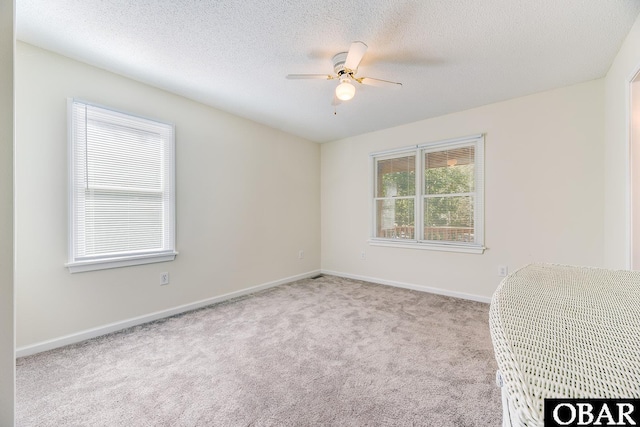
316, 352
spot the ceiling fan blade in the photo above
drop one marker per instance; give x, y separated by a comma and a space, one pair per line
310, 76
377, 82
356, 52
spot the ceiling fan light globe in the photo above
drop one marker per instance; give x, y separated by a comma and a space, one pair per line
345, 91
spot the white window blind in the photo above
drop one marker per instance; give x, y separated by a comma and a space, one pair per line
121, 189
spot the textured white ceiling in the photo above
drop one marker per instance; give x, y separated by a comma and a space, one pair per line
450, 55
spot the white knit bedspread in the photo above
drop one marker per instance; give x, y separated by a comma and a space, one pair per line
565, 331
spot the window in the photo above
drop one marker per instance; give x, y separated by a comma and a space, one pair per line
440, 207
122, 196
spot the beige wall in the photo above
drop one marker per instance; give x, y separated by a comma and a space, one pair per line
634, 153
616, 150
247, 202
543, 196
7, 341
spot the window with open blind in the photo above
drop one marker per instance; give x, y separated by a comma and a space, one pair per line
122, 192
430, 196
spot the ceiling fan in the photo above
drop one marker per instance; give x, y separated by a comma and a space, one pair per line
345, 66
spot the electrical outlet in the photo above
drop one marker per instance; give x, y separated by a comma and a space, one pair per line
300, 254
503, 270
164, 278
363, 255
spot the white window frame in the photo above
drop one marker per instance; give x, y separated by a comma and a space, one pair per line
79, 262
475, 247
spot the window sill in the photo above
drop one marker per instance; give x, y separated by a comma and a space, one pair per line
103, 264
444, 247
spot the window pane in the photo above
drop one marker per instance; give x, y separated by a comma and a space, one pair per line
450, 171
123, 157
449, 219
395, 218
120, 222
396, 177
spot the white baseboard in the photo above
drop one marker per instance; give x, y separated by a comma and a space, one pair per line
412, 286
117, 326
